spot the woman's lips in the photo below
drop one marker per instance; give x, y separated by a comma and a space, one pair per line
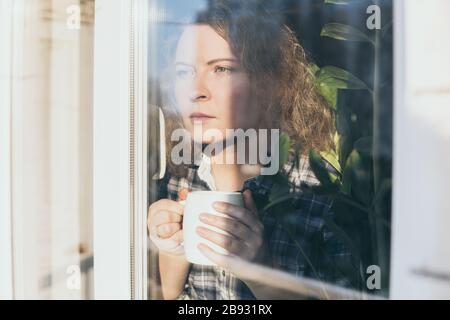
200, 117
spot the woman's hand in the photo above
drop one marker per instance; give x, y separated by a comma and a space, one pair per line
165, 225
246, 231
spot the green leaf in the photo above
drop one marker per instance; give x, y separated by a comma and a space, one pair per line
330, 93
364, 145
339, 78
332, 158
358, 171
345, 149
285, 146
344, 32
337, 145
313, 68
320, 171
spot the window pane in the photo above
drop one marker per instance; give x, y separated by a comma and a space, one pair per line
292, 101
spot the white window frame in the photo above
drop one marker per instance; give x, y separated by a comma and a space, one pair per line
120, 108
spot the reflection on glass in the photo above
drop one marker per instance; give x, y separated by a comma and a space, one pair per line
247, 110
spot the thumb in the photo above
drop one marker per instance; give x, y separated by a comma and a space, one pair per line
177, 236
249, 203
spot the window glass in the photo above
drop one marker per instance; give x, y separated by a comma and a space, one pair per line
281, 111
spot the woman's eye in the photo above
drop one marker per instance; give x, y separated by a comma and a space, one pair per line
220, 69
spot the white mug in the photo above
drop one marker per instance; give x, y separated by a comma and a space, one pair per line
198, 202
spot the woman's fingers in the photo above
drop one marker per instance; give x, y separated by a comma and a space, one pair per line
167, 230
163, 216
232, 226
177, 236
166, 205
239, 213
249, 203
163, 211
229, 243
244, 238
217, 258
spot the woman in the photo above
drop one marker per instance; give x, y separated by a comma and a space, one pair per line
238, 68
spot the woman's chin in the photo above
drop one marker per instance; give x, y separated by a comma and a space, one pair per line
205, 138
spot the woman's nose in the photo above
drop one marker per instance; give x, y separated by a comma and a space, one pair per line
200, 91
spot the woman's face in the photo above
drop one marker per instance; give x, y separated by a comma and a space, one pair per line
212, 89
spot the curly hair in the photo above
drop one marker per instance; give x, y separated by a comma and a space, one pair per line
280, 75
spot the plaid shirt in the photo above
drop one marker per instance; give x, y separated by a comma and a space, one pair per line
307, 221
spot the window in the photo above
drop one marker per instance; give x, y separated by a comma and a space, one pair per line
304, 87
116, 136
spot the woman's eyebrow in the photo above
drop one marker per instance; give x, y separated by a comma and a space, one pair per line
210, 62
